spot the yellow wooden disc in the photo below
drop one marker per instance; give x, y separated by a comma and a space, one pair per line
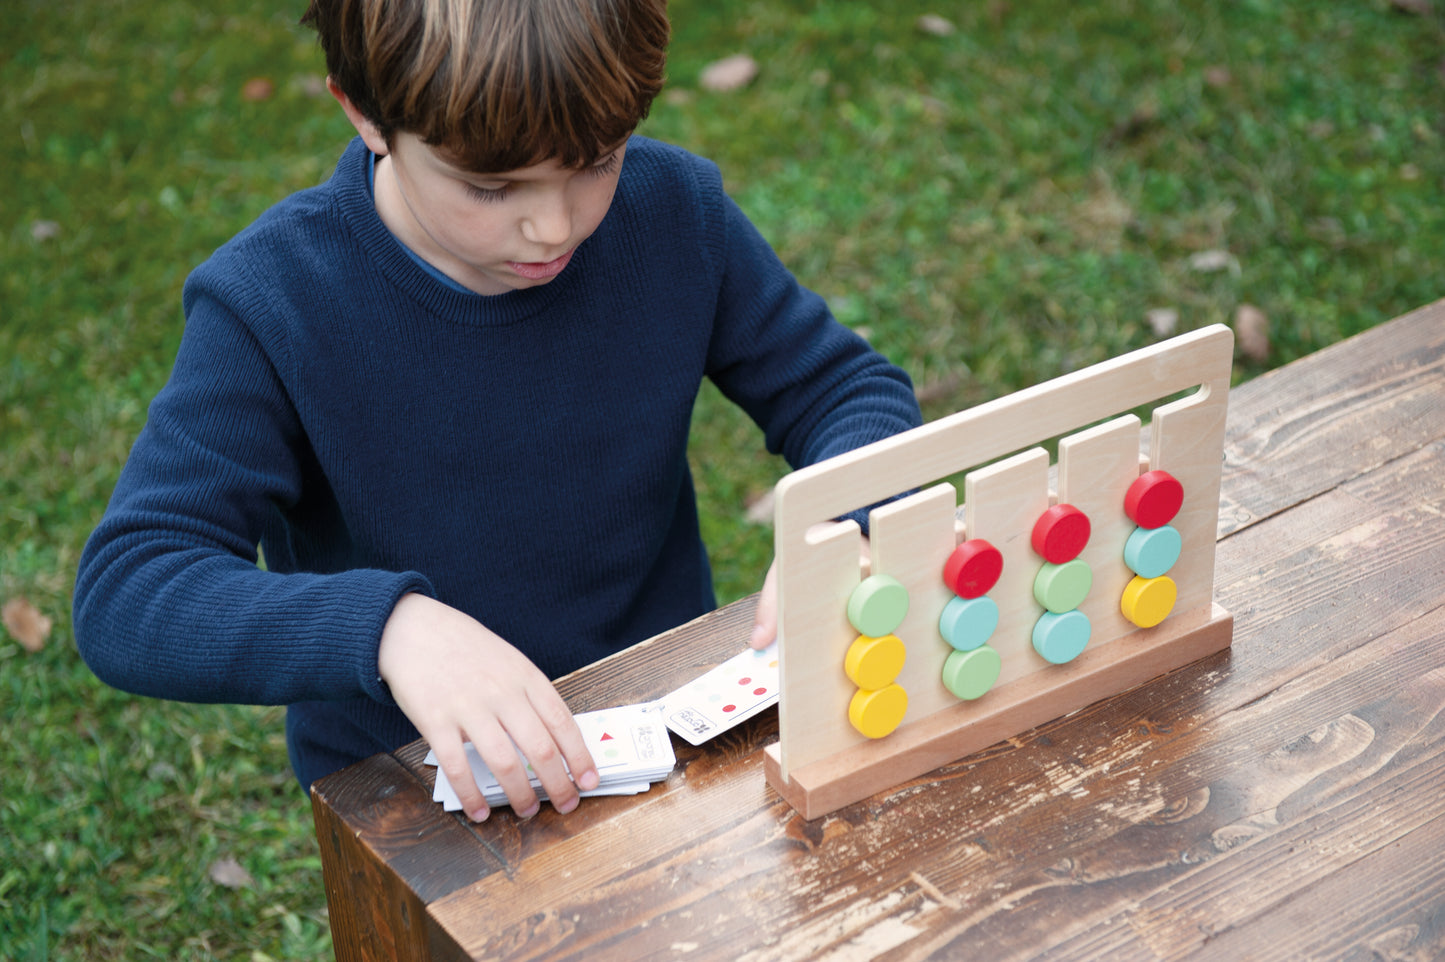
877, 713
1148, 601
874, 663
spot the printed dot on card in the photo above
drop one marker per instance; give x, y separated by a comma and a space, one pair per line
744, 680
760, 691
728, 708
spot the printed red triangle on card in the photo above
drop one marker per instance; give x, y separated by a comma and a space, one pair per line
606, 737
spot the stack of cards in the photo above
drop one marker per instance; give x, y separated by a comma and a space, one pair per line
728, 695
629, 744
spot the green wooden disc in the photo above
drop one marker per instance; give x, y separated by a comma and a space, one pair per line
969, 674
1061, 588
878, 605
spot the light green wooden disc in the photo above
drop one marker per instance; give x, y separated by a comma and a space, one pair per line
878, 605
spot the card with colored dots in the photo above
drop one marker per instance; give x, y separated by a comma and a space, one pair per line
724, 697
629, 744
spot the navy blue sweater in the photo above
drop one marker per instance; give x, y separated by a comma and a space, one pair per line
521, 457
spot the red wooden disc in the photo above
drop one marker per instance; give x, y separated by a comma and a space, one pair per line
973, 568
1061, 533
1154, 499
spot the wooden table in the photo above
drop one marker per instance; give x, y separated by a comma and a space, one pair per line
1282, 800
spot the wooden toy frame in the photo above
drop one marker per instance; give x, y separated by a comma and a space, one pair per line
820, 762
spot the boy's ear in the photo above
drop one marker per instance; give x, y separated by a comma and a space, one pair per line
368, 130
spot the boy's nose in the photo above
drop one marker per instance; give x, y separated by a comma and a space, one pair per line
548, 223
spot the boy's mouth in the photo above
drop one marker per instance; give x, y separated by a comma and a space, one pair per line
540, 271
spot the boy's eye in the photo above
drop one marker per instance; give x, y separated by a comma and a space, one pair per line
606, 166
486, 194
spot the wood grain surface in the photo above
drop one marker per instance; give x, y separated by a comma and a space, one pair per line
1281, 800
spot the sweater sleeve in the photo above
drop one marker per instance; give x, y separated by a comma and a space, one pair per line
815, 387
170, 600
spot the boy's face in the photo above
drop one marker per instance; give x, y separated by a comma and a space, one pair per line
492, 233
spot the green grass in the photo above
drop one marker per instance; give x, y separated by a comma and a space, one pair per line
993, 207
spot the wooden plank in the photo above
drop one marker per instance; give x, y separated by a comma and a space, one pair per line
814, 639
1335, 415
911, 540
1001, 504
1332, 771
385, 858
1096, 468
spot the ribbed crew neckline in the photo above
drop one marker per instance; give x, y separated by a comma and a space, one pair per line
351, 192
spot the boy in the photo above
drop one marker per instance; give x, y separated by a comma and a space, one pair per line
448, 393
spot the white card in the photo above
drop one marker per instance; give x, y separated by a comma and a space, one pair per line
629, 745
726, 696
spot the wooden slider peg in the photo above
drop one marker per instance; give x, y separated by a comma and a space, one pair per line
878, 606
1060, 534
1151, 552
973, 568
876, 713
1153, 499
1148, 601
874, 663
970, 674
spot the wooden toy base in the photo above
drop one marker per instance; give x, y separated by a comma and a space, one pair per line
856, 773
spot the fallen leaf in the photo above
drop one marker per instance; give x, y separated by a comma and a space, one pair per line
44, 230
1420, 8
1210, 262
1163, 321
26, 624
1251, 333
729, 73
940, 389
1144, 118
932, 23
257, 89
229, 873
1217, 76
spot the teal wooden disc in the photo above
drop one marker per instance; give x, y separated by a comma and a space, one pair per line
969, 674
1060, 639
1151, 552
1061, 588
878, 605
967, 623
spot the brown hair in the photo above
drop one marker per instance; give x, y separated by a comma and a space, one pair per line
496, 85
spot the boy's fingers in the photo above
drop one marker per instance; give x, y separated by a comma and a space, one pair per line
452, 760
549, 738
765, 618
507, 767
565, 734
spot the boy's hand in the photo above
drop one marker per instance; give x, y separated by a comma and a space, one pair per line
765, 619
457, 682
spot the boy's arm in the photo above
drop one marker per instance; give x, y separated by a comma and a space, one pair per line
170, 601
816, 388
